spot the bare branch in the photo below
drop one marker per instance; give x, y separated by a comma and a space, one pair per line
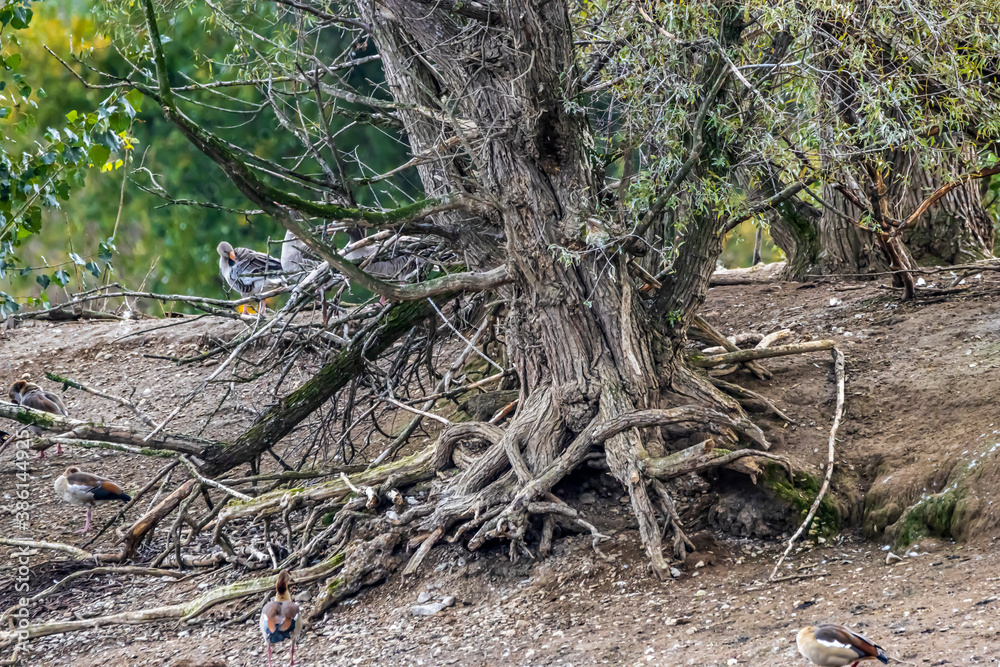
838, 366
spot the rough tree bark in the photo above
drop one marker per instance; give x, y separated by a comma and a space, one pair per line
578, 331
958, 228
824, 241
579, 338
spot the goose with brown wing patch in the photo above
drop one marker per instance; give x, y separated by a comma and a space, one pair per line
30, 395
831, 645
86, 490
279, 619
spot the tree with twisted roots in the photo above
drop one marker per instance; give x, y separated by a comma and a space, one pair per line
514, 181
497, 104
578, 165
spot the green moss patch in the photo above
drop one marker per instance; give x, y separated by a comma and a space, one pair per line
799, 493
931, 516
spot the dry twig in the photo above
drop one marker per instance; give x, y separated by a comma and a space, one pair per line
838, 365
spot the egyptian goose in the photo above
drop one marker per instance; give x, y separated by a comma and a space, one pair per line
30, 395
247, 271
82, 488
835, 646
279, 619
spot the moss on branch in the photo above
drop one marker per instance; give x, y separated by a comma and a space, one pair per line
281, 418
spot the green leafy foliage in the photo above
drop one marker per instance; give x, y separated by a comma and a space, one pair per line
837, 92
156, 243
39, 169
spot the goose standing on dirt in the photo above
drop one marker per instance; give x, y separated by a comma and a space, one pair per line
831, 645
30, 395
247, 271
83, 489
279, 619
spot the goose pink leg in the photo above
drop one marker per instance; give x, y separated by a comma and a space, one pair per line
87, 526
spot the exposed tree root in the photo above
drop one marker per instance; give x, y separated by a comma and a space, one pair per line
505, 492
365, 563
751, 397
669, 510
838, 365
182, 612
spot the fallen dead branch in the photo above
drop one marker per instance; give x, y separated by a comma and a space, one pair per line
211, 482
761, 353
772, 338
838, 365
133, 536
739, 340
213, 306
761, 273
135, 499
76, 428
182, 612
65, 581
76, 553
720, 339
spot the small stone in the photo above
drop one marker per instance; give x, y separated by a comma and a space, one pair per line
431, 609
891, 558
675, 573
423, 597
588, 498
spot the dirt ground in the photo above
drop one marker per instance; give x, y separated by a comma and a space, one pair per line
920, 417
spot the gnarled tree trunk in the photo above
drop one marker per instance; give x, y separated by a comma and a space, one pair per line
483, 99
577, 332
957, 229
